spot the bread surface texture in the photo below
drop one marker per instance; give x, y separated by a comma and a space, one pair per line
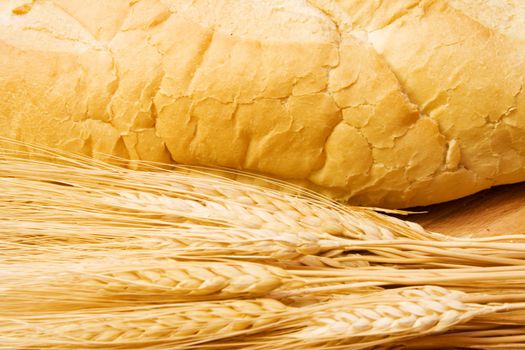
384, 103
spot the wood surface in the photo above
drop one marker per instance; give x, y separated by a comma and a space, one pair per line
500, 210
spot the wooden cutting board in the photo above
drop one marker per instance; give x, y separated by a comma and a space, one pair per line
500, 210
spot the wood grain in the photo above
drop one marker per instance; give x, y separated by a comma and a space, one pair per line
500, 210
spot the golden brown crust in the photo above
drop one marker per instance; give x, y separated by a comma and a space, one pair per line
461, 63
395, 111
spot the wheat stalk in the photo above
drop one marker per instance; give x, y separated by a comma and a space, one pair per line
57, 240
103, 194
385, 316
97, 280
168, 325
502, 329
198, 240
398, 251
116, 280
90, 236
190, 194
62, 221
349, 323
42, 202
366, 322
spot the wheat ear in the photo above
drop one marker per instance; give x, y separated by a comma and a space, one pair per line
414, 310
117, 280
160, 327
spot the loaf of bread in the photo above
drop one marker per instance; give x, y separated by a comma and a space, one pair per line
386, 103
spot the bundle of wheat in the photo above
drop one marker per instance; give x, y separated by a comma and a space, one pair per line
378, 318
94, 255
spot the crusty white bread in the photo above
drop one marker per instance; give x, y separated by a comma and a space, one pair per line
386, 103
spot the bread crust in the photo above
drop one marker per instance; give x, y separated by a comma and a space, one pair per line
392, 110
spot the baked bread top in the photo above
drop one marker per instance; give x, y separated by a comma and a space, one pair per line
393, 103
